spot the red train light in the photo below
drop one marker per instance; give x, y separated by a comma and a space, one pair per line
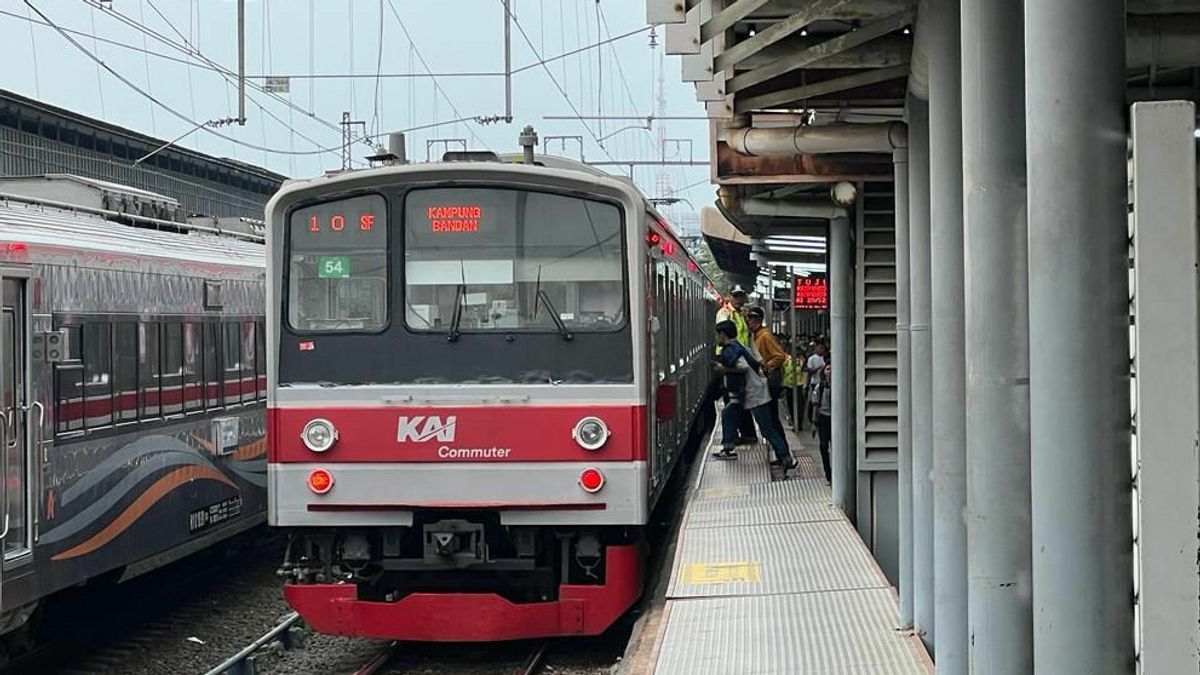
653, 239
320, 481
591, 480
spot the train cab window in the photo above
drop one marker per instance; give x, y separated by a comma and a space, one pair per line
193, 394
212, 368
338, 266
97, 374
125, 361
505, 259
149, 370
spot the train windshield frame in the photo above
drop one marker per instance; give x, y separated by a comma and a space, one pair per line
489, 258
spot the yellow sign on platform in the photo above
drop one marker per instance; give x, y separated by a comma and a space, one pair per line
722, 573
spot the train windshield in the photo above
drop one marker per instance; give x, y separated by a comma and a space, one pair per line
338, 270
493, 259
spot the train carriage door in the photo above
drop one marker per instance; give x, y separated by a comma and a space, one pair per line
18, 418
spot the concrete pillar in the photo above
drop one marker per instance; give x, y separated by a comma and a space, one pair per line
922, 368
841, 294
1079, 337
949, 362
903, 387
1000, 583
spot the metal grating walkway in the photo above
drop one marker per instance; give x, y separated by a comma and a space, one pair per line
769, 578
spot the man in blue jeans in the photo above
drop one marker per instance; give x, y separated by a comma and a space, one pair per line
748, 390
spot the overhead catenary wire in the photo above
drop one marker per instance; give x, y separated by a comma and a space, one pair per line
550, 74
436, 85
150, 97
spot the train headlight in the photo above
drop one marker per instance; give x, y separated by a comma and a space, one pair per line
319, 435
591, 433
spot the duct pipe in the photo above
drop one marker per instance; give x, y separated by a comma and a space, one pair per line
816, 140
904, 386
790, 208
999, 590
1079, 337
922, 370
840, 326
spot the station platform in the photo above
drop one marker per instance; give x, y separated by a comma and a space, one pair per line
768, 577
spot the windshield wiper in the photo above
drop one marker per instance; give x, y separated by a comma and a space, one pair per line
562, 327
459, 292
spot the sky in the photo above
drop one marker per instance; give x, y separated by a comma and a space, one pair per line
297, 134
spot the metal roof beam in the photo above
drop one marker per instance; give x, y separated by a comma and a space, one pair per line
775, 32
728, 17
889, 50
837, 45
785, 96
855, 11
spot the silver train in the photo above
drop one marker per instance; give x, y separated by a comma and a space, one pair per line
132, 391
482, 375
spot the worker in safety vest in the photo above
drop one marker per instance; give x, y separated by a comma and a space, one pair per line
731, 310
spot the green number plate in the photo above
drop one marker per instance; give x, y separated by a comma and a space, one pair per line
333, 267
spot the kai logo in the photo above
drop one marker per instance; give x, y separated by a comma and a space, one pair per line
421, 428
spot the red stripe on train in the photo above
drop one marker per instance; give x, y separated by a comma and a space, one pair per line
467, 434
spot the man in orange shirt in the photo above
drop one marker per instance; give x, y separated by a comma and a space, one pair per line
772, 356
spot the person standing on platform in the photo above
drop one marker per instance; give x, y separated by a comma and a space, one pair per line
824, 420
733, 310
747, 388
815, 366
772, 357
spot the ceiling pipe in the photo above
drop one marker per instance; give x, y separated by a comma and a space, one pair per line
1165, 41
816, 140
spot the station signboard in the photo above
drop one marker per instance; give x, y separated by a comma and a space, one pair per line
811, 293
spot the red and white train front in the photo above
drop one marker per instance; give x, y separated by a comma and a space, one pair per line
459, 410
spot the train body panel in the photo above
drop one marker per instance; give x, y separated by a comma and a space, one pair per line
482, 376
133, 417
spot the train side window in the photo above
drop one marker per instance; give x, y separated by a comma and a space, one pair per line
172, 372
249, 357
260, 363
212, 364
149, 370
97, 374
125, 361
69, 398
193, 393
232, 363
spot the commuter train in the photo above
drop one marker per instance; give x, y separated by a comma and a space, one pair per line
132, 423
481, 376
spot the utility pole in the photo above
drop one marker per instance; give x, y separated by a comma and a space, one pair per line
508, 113
241, 20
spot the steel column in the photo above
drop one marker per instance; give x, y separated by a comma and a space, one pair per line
1168, 383
1079, 337
949, 363
922, 368
999, 588
903, 387
841, 299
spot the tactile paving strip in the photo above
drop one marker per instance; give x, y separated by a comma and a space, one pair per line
793, 558
838, 633
791, 501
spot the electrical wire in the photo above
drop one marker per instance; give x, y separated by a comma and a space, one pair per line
436, 85
150, 97
378, 71
550, 74
146, 59
37, 84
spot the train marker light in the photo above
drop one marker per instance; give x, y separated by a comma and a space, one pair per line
591, 433
319, 435
320, 481
591, 480
653, 239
